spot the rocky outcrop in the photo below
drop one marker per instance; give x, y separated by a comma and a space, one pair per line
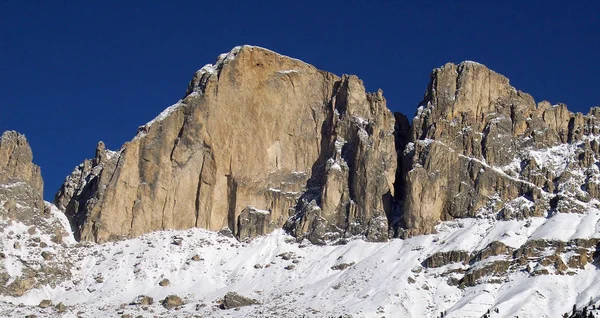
85, 186
256, 131
30, 232
253, 222
172, 301
494, 249
21, 185
495, 269
440, 259
262, 141
16, 161
479, 147
496, 261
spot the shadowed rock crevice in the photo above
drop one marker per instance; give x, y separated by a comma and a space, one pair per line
401, 138
339, 180
231, 195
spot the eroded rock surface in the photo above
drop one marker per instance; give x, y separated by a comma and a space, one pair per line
256, 131
262, 141
479, 147
496, 261
29, 229
21, 185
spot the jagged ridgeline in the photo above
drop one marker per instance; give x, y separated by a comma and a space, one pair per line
263, 141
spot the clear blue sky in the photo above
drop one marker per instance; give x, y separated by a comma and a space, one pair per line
76, 72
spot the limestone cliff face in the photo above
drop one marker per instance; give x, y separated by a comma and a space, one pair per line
352, 183
263, 141
26, 223
258, 140
21, 185
478, 147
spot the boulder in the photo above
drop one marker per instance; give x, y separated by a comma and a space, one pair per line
45, 303
234, 300
172, 301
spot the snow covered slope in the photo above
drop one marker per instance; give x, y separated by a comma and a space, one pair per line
291, 279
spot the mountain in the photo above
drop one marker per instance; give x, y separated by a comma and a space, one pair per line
478, 147
258, 138
32, 232
293, 192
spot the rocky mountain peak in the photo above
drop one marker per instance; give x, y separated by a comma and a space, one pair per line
508, 191
466, 94
474, 149
16, 161
259, 141
245, 58
25, 222
21, 185
342, 166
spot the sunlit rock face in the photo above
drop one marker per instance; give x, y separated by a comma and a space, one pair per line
478, 147
257, 135
21, 185
30, 232
262, 141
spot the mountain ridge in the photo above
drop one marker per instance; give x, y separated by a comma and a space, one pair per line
490, 196
465, 97
251, 85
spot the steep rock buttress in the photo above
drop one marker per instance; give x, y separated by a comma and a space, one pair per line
262, 141
480, 148
259, 141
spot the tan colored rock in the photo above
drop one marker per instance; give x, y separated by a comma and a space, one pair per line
440, 259
164, 282
16, 161
61, 307
20, 286
47, 256
21, 185
496, 268
172, 301
469, 152
341, 266
234, 300
21, 197
560, 266
257, 130
493, 249
556, 118
261, 141
143, 300
578, 261
253, 222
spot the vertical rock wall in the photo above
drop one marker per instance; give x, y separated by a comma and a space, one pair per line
259, 135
